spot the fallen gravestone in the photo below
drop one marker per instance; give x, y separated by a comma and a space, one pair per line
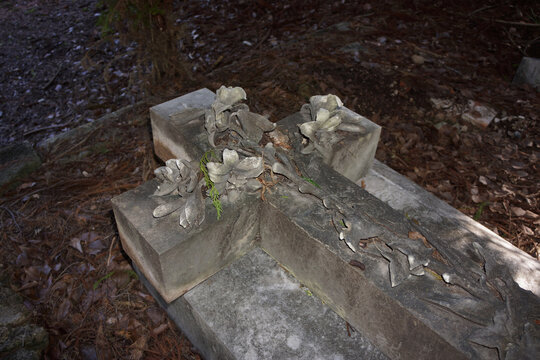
16, 162
528, 72
233, 181
19, 337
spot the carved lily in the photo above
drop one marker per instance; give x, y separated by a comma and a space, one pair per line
217, 119
235, 174
178, 177
227, 113
324, 115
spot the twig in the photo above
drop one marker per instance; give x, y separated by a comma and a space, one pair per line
110, 251
52, 79
74, 146
481, 9
423, 50
12, 217
45, 128
517, 23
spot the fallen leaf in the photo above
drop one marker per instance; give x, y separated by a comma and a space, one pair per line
137, 347
76, 243
161, 328
155, 314
517, 211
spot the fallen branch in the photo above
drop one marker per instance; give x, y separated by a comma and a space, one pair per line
517, 23
45, 128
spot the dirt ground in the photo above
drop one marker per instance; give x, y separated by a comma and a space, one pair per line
411, 66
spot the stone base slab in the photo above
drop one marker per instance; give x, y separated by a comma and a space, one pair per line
254, 309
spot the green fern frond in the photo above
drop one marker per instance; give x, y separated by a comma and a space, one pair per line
214, 193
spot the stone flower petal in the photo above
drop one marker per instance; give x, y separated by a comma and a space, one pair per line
168, 208
173, 164
165, 188
308, 129
220, 172
192, 214
237, 181
331, 124
329, 102
230, 95
230, 158
253, 185
322, 115
250, 167
165, 173
217, 172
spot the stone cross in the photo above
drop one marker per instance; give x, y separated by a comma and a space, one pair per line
233, 181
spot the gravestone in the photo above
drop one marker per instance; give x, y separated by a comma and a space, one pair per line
528, 72
234, 182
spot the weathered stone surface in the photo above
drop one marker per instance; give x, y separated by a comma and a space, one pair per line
418, 289
528, 72
253, 309
19, 338
443, 277
297, 233
22, 341
74, 135
12, 310
178, 124
449, 224
343, 139
175, 259
16, 162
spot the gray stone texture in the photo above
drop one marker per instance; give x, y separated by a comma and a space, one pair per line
453, 290
16, 162
352, 157
177, 128
20, 339
254, 309
528, 72
175, 259
450, 225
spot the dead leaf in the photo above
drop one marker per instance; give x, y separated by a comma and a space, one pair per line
517, 211
76, 243
63, 310
161, 328
415, 235
155, 314
527, 230
138, 347
124, 334
483, 180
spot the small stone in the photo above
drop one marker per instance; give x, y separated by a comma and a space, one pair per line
478, 114
528, 72
417, 59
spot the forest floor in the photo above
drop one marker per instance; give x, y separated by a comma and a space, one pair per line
413, 67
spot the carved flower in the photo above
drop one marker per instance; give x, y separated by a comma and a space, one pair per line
227, 113
178, 177
324, 115
235, 174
